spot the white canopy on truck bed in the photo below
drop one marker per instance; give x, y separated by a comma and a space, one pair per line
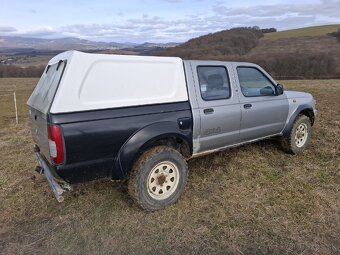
100, 81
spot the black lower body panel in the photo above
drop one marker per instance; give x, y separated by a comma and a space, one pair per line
86, 171
103, 143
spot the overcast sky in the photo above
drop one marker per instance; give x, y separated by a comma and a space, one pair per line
156, 20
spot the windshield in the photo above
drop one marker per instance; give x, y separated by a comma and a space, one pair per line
43, 94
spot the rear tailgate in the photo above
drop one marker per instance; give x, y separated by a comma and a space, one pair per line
40, 102
38, 123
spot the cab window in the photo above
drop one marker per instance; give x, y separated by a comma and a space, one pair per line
214, 82
254, 83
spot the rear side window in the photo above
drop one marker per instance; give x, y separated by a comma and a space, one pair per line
214, 82
254, 83
43, 94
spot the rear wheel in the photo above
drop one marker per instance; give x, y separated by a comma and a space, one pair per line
158, 178
298, 138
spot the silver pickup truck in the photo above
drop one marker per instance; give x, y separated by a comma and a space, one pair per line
96, 116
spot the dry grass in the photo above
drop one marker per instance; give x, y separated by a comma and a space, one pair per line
249, 200
305, 31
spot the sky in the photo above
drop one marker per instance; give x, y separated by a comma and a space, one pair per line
156, 20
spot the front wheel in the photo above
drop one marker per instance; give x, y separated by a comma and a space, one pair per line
158, 178
298, 138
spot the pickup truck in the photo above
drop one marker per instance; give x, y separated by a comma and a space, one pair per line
141, 118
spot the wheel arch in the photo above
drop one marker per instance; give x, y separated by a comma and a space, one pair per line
161, 133
309, 113
306, 110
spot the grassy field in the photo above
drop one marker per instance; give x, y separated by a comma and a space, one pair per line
249, 200
306, 31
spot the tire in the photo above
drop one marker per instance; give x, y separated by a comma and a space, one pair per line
298, 137
158, 178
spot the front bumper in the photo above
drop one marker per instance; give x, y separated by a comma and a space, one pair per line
58, 185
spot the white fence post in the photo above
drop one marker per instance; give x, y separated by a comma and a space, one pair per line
16, 109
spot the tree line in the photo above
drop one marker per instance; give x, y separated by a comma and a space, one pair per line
17, 71
297, 65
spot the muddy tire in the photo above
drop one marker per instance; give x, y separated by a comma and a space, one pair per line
158, 178
298, 137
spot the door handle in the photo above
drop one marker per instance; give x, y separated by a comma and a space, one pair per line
208, 111
247, 106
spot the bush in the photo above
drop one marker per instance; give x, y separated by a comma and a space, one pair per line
268, 30
336, 34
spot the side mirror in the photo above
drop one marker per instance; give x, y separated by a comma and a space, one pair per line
267, 91
279, 89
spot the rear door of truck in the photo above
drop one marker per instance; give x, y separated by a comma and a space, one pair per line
218, 105
40, 102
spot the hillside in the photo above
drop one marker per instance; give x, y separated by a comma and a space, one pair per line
300, 53
235, 41
312, 50
306, 31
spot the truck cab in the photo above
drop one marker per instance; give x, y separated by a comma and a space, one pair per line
234, 103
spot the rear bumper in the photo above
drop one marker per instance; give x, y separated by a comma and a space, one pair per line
58, 185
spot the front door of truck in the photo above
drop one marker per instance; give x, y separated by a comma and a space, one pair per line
218, 105
263, 113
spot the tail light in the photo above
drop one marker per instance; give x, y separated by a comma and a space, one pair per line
55, 143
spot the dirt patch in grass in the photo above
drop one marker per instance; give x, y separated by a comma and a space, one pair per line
254, 199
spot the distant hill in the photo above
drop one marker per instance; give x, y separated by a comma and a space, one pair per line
9, 43
21, 45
